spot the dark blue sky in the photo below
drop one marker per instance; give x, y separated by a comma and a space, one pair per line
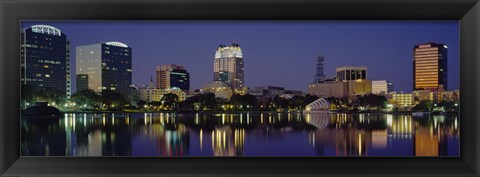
279, 53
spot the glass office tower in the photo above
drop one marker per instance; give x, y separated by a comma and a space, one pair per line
45, 59
108, 66
171, 75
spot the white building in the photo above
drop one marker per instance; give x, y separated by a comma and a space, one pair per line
152, 94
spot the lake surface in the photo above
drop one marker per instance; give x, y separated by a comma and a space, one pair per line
246, 134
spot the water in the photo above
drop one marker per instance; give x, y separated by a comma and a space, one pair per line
246, 134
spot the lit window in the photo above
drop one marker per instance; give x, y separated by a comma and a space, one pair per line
45, 66
47, 75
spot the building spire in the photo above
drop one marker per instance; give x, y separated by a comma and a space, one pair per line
151, 82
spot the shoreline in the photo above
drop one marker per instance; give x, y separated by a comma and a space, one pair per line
236, 112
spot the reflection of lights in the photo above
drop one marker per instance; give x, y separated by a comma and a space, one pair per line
309, 118
389, 120
455, 123
84, 120
103, 119
196, 118
261, 118
145, 119
313, 139
360, 144
223, 119
201, 139
224, 139
66, 121
74, 121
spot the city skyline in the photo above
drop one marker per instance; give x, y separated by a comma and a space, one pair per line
269, 51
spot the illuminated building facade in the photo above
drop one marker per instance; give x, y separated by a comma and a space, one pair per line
348, 73
430, 67
328, 89
402, 99
220, 89
228, 66
108, 66
359, 87
45, 59
171, 75
381, 87
152, 94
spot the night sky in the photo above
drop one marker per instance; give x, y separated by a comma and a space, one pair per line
278, 53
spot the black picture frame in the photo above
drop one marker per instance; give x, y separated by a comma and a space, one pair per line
14, 11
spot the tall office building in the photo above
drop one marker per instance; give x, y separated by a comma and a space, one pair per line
348, 73
319, 76
108, 66
228, 66
430, 67
45, 59
171, 76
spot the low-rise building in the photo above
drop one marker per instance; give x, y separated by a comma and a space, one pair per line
328, 89
401, 100
152, 94
359, 87
220, 89
381, 87
340, 89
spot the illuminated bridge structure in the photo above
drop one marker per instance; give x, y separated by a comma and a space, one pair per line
319, 105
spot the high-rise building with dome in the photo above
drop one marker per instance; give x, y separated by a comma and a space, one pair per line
228, 66
108, 66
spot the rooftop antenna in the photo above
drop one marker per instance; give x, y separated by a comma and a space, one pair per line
319, 76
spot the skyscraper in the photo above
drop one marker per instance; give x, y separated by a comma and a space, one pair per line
319, 76
45, 59
228, 66
171, 75
348, 73
108, 66
430, 67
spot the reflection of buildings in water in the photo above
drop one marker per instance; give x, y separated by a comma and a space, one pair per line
174, 142
106, 135
431, 138
163, 130
346, 142
426, 142
41, 138
228, 142
77, 135
340, 131
379, 139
